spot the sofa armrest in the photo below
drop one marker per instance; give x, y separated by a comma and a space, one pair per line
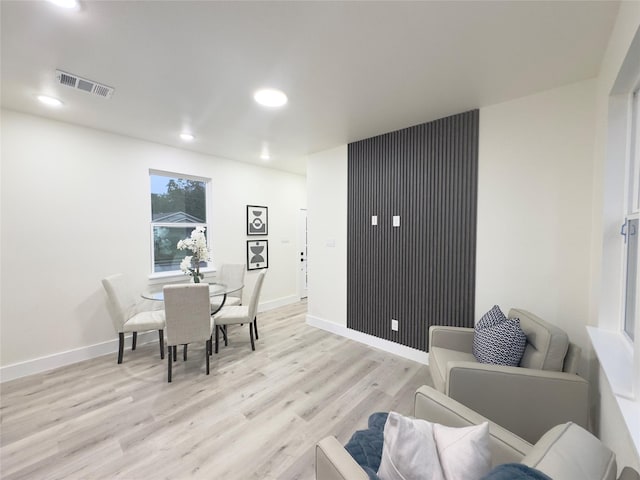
333, 462
453, 338
525, 401
434, 406
629, 473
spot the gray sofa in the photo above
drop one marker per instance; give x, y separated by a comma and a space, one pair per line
565, 452
527, 400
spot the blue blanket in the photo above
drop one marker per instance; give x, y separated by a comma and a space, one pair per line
365, 446
514, 471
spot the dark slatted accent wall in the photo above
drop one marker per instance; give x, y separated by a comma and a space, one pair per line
423, 272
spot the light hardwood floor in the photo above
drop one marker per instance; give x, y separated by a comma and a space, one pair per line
257, 416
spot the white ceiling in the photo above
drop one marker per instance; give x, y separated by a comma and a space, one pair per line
351, 70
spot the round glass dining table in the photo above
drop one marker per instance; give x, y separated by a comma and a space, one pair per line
215, 290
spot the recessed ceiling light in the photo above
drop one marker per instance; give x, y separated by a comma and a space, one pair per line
66, 3
187, 137
270, 97
265, 156
49, 101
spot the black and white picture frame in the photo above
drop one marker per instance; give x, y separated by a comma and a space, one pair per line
257, 254
257, 220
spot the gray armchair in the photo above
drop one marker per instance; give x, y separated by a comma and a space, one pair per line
527, 400
566, 451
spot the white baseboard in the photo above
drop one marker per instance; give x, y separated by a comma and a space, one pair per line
278, 302
379, 343
56, 360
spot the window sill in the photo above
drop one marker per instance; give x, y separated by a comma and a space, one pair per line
616, 360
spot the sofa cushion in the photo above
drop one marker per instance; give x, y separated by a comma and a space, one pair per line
498, 340
546, 344
439, 358
569, 451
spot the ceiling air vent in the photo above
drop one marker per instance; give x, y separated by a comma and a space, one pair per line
83, 84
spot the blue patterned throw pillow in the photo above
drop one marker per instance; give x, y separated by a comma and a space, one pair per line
499, 340
492, 318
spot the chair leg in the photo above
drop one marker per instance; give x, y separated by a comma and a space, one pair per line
161, 342
253, 345
184, 354
206, 354
175, 353
217, 338
134, 341
120, 346
169, 362
223, 329
255, 327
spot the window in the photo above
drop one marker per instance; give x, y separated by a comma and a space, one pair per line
178, 205
630, 227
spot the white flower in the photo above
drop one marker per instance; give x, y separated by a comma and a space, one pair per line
197, 243
185, 265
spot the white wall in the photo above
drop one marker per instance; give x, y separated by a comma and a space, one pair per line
535, 180
327, 217
534, 196
75, 208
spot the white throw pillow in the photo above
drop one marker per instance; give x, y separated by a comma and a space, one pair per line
415, 449
409, 450
464, 452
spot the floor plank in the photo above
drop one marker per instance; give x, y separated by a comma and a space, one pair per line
257, 416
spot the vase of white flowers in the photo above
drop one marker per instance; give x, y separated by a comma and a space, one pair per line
197, 243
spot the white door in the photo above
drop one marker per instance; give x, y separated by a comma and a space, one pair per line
302, 254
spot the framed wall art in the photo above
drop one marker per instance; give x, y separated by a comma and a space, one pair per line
257, 220
257, 254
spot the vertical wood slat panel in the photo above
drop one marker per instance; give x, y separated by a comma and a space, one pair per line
422, 273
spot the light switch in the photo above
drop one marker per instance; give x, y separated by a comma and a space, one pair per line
374, 220
396, 220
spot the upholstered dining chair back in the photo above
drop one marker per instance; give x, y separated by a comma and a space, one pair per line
121, 303
232, 274
187, 312
255, 295
240, 314
128, 315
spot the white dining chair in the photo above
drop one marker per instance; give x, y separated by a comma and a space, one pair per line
229, 274
188, 319
240, 314
129, 315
